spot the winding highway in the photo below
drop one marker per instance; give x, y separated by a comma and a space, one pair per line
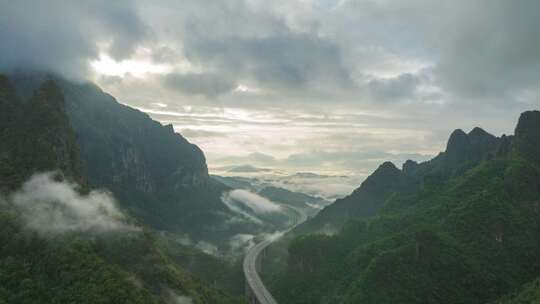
257, 293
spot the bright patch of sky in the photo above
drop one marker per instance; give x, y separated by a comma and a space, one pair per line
107, 66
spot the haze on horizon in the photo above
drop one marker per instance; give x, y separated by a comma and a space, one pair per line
328, 86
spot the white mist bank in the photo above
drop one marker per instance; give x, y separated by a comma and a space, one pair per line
51, 207
238, 200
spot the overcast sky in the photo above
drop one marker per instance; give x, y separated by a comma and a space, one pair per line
301, 85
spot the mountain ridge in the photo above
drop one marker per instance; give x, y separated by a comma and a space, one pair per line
463, 151
476, 220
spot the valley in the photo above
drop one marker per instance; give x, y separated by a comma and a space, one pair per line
165, 228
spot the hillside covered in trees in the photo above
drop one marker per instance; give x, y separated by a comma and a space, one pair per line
463, 227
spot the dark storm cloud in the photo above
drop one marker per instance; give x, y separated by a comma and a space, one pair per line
249, 42
398, 88
62, 36
309, 49
290, 61
490, 47
207, 84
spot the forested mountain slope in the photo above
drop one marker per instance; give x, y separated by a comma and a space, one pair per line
61, 241
468, 231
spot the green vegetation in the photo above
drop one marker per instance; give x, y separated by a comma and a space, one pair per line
468, 233
85, 268
528, 294
384, 182
36, 137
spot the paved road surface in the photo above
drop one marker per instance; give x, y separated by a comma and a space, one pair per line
250, 262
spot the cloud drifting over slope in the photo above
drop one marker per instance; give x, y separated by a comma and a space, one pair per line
50, 207
249, 204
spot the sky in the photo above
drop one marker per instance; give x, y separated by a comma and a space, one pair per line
326, 86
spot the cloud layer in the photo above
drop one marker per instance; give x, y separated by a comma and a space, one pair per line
63, 37
377, 50
309, 82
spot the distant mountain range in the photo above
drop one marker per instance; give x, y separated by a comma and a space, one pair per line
246, 169
308, 204
327, 187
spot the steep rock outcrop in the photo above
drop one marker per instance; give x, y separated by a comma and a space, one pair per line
526, 143
36, 136
463, 151
471, 147
504, 148
8, 103
52, 144
124, 148
410, 167
9, 115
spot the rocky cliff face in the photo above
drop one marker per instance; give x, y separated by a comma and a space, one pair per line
123, 148
409, 167
526, 143
52, 137
472, 147
463, 151
9, 114
36, 136
154, 172
8, 103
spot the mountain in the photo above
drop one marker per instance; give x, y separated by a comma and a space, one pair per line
61, 240
463, 151
36, 136
463, 227
526, 142
247, 169
155, 173
365, 201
